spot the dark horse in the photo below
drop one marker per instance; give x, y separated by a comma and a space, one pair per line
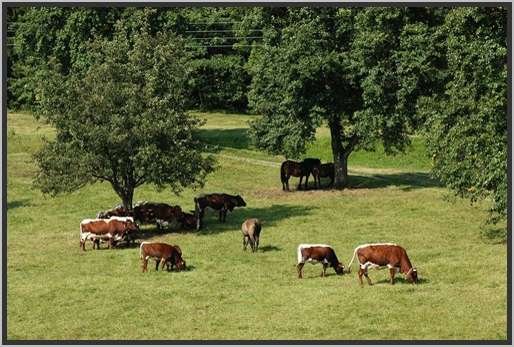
327, 170
300, 169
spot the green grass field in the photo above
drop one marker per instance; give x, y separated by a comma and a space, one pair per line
56, 291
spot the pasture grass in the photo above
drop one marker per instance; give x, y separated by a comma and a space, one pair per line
56, 291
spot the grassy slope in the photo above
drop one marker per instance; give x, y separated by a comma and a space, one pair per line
56, 291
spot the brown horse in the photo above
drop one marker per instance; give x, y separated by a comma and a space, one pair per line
300, 169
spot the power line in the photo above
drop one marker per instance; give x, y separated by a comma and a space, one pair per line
218, 31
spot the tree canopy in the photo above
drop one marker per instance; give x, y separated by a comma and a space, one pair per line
121, 119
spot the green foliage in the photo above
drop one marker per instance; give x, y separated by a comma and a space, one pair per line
467, 125
218, 82
122, 120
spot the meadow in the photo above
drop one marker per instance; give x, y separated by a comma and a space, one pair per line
56, 291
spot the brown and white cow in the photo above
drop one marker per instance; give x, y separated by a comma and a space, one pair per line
251, 229
217, 201
111, 230
377, 255
169, 255
317, 253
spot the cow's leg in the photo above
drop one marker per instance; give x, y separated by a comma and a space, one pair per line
299, 268
324, 269
287, 183
256, 243
164, 263
367, 277
252, 243
221, 215
361, 272
245, 242
83, 245
392, 272
300, 184
157, 262
307, 181
145, 264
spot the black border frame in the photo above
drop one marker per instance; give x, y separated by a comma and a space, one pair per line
5, 5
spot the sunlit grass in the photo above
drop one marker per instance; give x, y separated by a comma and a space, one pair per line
56, 291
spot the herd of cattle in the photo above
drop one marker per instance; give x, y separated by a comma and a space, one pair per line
122, 225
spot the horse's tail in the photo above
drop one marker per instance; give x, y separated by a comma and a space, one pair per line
283, 177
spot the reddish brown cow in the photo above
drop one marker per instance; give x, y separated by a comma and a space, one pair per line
111, 230
221, 202
318, 253
381, 255
161, 252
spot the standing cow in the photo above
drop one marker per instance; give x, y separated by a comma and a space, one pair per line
217, 201
378, 255
169, 255
112, 230
324, 254
251, 229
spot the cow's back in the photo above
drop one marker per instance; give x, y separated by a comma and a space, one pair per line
381, 254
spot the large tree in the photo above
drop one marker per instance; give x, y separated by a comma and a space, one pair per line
467, 123
338, 67
121, 118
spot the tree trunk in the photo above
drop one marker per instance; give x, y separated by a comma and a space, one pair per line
339, 153
126, 195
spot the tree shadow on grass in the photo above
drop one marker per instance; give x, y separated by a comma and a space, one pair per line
18, 203
234, 138
269, 216
408, 181
494, 234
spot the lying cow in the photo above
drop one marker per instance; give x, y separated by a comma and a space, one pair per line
220, 202
384, 254
111, 230
162, 252
251, 229
118, 211
151, 212
318, 253
188, 220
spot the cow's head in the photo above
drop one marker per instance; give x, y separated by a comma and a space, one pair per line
412, 275
238, 201
131, 226
180, 264
339, 269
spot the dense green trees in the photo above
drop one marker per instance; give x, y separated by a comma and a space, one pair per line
121, 119
371, 74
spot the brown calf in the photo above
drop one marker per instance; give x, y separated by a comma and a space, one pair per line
251, 229
162, 252
384, 254
318, 253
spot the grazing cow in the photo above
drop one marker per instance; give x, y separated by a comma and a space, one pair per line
112, 230
318, 253
161, 252
381, 255
150, 212
327, 170
217, 201
299, 169
251, 229
118, 210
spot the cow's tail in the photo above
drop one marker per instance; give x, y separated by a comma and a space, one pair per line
351, 261
141, 249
